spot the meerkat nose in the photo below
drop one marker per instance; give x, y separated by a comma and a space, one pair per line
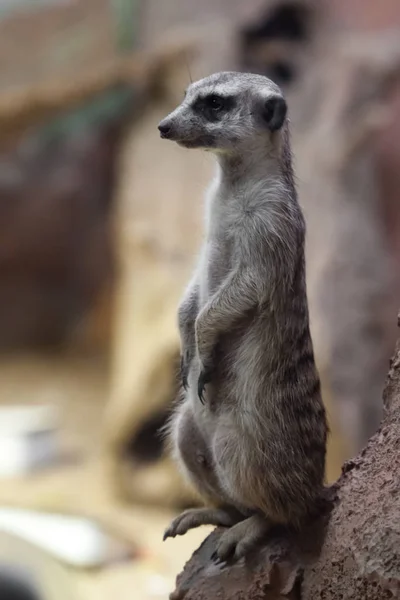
164, 128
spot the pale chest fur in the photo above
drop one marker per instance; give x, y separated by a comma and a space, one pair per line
224, 219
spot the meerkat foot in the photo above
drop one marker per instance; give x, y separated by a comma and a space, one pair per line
194, 517
241, 539
204, 378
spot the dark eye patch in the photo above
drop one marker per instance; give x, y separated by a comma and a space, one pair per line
214, 102
213, 106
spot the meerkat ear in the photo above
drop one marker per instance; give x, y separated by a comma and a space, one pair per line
274, 112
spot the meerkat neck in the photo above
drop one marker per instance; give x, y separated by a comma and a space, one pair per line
247, 170
252, 166
262, 166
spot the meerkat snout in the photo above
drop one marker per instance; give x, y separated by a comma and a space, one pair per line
164, 129
231, 112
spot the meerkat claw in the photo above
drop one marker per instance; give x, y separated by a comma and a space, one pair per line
215, 558
217, 561
204, 378
200, 393
184, 370
167, 534
184, 377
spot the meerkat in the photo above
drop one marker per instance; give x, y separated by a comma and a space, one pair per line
250, 432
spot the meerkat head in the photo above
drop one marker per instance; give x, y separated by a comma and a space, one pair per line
227, 112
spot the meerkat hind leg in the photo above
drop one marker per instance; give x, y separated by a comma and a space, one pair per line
195, 517
240, 539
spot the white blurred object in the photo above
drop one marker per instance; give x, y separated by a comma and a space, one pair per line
28, 438
51, 579
76, 541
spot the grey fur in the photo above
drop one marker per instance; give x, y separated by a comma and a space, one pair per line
258, 443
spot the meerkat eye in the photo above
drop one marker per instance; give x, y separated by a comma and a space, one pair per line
214, 102
212, 106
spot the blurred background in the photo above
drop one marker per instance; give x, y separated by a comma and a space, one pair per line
100, 222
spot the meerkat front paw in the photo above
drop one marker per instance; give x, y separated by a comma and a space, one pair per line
205, 344
241, 539
205, 375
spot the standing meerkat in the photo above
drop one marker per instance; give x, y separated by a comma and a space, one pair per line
250, 432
